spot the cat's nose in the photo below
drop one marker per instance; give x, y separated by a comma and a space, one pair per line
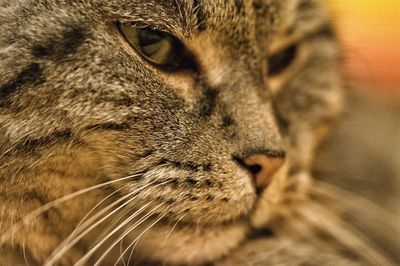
263, 168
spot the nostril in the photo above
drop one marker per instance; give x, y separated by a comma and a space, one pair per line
262, 167
253, 169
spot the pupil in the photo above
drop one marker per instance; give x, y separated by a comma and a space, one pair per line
282, 60
148, 37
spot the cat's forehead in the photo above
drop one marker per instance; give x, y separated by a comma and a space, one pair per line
187, 17
237, 16
229, 19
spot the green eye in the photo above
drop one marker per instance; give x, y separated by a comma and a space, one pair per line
157, 47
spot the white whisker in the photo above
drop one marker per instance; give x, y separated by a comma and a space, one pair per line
68, 243
341, 195
93, 249
9, 233
170, 232
301, 228
70, 240
97, 205
143, 194
24, 252
283, 244
148, 215
130, 255
114, 222
136, 240
343, 233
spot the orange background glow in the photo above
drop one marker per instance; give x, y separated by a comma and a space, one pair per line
370, 33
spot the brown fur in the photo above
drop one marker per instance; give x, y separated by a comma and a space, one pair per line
79, 107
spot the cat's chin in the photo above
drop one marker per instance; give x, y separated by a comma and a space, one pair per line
189, 244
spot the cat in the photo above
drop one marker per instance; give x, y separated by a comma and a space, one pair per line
177, 132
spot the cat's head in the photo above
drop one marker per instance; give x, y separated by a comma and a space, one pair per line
202, 114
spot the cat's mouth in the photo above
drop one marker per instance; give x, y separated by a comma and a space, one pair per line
196, 219
184, 221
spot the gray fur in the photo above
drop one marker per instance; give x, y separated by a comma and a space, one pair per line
79, 107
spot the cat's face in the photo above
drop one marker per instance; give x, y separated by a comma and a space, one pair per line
229, 87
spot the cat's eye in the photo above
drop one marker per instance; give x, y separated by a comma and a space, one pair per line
282, 60
157, 47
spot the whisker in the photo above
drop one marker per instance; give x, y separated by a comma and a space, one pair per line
131, 253
68, 243
20, 224
303, 229
105, 232
24, 252
170, 232
111, 226
83, 224
283, 244
148, 215
126, 232
353, 201
97, 205
343, 233
136, 240
93, 249
121, 249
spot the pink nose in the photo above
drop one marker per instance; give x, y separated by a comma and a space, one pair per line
263, 168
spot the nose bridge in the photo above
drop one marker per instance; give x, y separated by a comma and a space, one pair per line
237, 75
248, 100
258, 125
221, 60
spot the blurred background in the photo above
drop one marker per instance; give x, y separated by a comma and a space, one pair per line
364, 149
370, 34
362, 153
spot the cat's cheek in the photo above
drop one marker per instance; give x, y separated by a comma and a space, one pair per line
190, 245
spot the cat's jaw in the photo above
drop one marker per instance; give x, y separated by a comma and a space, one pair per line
190, 244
